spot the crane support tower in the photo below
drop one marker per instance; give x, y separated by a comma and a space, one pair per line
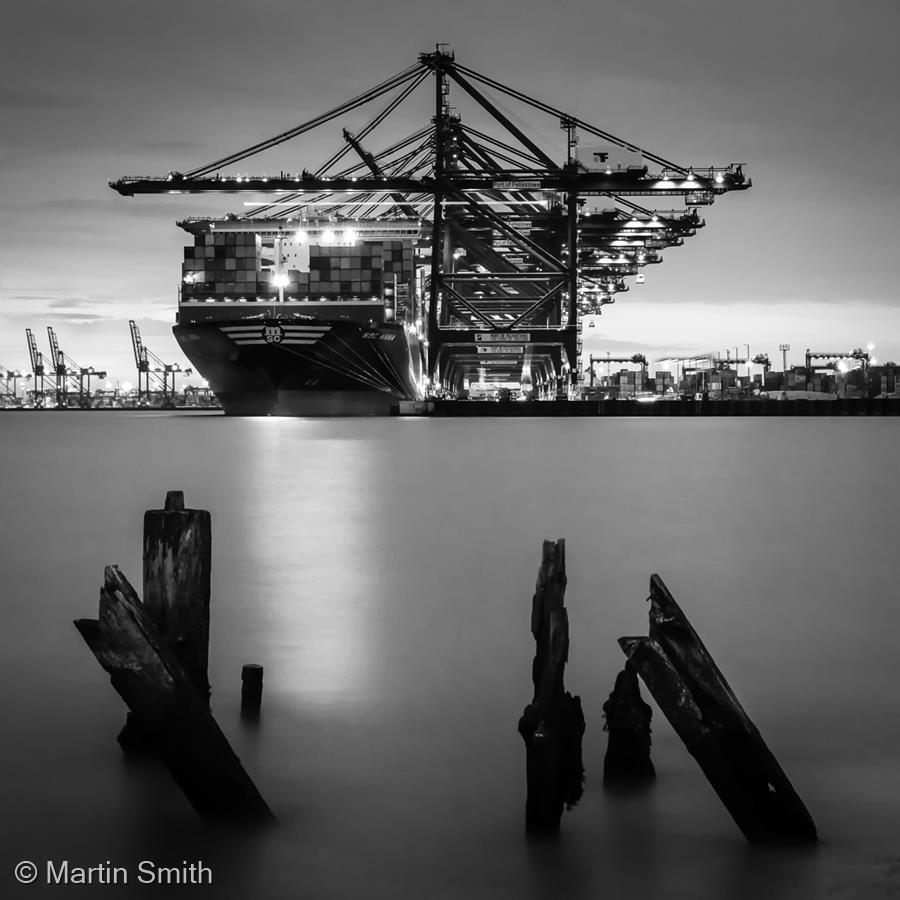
512, 244
151, 370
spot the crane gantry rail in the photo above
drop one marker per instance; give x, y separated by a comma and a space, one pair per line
508, 256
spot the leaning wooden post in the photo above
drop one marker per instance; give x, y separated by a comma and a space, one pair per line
695, 697
627, 762
151, 680
552, 725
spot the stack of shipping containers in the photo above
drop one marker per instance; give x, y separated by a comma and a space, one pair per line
223, 264
230, 265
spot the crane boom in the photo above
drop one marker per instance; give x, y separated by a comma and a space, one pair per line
37, 359
55, 353
139, 359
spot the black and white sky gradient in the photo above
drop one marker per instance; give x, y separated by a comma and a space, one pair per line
803, 91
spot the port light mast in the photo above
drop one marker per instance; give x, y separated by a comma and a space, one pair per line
513, 255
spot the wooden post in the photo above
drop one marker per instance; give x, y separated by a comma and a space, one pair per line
251, 691
698, 701
151, 680
177, 568
627, 762
552, 725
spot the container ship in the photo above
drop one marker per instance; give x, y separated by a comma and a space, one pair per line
305, 318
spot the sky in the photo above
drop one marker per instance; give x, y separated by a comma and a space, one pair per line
801, 91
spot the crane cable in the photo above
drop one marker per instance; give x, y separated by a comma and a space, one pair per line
359, 100
550, 110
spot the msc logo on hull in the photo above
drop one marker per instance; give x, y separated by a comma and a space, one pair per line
274, 333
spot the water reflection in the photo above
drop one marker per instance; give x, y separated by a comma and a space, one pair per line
308, 532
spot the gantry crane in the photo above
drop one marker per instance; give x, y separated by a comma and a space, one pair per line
9, 381
150, 368
637, 359
762, 359
38, 369
832, 359
69, 373
508, 258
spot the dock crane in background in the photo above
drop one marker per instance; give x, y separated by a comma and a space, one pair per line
638, 359
9, 379
762, 359
834, 360
151, 368
67, 372
38, 369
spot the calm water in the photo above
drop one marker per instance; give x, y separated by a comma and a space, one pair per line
382, 572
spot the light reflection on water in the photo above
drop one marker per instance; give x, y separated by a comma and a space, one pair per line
382, 571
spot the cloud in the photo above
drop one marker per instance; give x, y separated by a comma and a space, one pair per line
74, 317
35, 98
173, 146
111, 203
68, 304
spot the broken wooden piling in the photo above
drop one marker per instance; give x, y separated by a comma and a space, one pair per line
154, 684
627, 762
695, 697
552, 725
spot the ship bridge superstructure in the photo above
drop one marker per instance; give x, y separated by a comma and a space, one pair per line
513, 239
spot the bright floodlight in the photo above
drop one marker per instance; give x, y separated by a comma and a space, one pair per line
350, 236
870, 346
280, 280
300, 237
327, 236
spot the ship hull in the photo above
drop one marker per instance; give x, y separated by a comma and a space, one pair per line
290, 367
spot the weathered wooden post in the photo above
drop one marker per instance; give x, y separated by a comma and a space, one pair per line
627, 762
177, 570
695, 697
153, 683
251, 691
552, 725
